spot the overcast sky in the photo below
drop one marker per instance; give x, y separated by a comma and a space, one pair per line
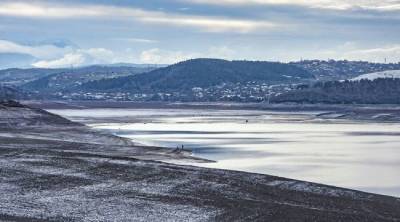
83, 32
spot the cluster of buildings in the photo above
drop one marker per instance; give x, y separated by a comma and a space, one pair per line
248, 92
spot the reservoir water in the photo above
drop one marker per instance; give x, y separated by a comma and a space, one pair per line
351, 154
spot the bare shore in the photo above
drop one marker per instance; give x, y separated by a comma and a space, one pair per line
372, 112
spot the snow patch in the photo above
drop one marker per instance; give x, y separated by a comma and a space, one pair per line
390, 74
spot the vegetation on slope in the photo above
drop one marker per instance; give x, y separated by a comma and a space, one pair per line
378, 91
202, 73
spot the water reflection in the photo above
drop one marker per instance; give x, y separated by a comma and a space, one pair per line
357, 155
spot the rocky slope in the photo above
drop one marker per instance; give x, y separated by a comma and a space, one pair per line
52, 169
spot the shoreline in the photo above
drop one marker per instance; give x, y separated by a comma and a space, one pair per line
372, 113
51, 165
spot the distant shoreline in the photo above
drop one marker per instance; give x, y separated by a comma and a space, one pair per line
379, 113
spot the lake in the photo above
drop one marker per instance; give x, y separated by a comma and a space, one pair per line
298, 145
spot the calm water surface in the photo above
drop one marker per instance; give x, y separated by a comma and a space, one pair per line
364, 156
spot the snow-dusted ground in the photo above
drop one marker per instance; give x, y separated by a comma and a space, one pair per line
48, 176
376, 75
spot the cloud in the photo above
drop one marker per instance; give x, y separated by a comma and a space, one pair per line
158, 56
390, 53
137, 40
52, 56
379, 5
211, 24
204, 23
222, 52
41, 51
71, 59
98, 55
46, 11
81, 57
349, 51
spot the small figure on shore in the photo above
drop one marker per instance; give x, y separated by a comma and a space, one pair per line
182, 146
177, 150
247, 121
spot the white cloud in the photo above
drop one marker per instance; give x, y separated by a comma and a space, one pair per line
390, 53
379, 5
222, 52
204, 23
54, 11
349, 51
210, 24
80, 57
42, 51
71, 59
51, 56
98, 55
158, 56
137, 40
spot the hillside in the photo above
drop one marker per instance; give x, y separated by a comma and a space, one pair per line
202, 73
66, 79
378, 91
13, 93
7, 93
342, 69
19, 77
377, 75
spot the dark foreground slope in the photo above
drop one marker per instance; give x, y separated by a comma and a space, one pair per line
54, 170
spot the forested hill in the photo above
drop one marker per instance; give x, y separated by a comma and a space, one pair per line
9, 92
19, 77
332, 70
378, 91
66, 79
202, 73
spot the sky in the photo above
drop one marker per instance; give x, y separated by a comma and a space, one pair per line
64, 33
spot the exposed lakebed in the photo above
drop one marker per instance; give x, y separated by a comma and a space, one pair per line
298, 145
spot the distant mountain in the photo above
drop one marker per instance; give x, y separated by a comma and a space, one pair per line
14, 76
134, 65
67, 79
364, 91
376, 75
332, 70
202, 73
